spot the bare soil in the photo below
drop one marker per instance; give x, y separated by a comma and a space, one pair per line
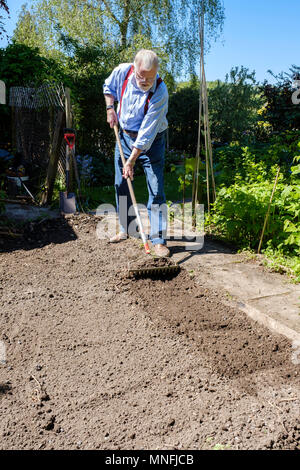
96, 360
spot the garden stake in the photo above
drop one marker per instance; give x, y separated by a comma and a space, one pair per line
268, 211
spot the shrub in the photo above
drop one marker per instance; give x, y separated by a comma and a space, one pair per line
239, 211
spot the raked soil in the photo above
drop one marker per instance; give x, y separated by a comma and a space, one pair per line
97, 360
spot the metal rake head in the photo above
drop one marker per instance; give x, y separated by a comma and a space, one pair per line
156, 272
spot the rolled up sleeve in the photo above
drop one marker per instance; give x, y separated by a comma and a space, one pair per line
113, 84
152, 122
109, 87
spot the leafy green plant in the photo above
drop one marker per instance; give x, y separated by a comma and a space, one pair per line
257, 162
277, 260
239, 211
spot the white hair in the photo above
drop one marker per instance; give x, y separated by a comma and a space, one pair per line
147, 58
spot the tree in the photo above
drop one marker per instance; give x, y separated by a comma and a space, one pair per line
21, 65
233, 105
183, 117
3, 5
26, 31
279, 110
170, 25
86, 68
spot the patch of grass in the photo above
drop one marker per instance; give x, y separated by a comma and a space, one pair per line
276, 261
248, 254
221, 447
95, 196
283, 264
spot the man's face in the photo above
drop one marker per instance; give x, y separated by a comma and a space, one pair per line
144, 78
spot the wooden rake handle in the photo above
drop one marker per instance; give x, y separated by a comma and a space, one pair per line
130, 187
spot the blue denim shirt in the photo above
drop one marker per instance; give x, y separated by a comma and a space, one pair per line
133, 102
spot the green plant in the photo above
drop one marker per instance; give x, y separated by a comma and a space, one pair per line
184, 170
221, 447
239, 211
277, 260
257, 162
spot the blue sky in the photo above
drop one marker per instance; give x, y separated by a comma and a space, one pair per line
259, 34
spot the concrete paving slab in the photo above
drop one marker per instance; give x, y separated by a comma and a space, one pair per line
249, 285
26, 212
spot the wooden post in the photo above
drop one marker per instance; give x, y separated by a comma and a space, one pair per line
54, 157
68, 108
203, 108
69, 125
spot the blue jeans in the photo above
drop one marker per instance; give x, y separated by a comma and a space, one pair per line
153, 164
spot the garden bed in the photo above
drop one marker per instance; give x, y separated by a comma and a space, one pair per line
97, 360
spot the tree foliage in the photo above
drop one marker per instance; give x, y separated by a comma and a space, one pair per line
279, 110
233, 108
86, 68
183, 117
21, 65
88, 38
233, 105
27, 32
3, 6
170, 25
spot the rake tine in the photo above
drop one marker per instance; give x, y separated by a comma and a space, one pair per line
154, 272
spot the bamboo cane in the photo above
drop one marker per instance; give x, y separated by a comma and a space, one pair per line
268, 211
208, 135
206, 156
197, 159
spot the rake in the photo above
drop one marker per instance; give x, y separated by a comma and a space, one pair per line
156, 271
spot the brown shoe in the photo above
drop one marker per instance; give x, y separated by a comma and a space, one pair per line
161, 250
118, 238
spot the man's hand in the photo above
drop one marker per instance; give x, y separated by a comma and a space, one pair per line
128, 169
112, 117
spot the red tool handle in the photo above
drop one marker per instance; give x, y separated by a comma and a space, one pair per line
72, 142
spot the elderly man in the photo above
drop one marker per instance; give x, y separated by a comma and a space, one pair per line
141, 112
